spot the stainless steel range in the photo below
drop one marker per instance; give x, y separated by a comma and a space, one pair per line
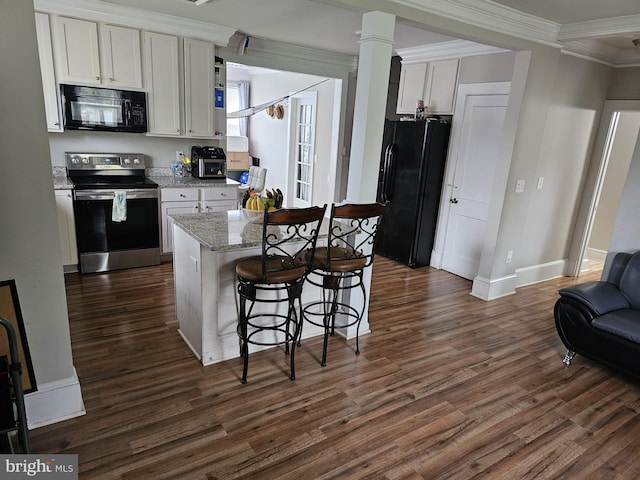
116, 211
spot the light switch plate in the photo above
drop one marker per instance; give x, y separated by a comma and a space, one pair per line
520, 186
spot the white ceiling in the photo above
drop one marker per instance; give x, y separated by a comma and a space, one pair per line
321, 24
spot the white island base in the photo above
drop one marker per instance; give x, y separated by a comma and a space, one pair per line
206, 248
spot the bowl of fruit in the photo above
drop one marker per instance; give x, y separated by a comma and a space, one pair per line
254, 205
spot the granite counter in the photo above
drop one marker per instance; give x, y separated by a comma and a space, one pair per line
190, 182
221, 231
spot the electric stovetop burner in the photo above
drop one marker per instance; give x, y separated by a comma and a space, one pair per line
107, 170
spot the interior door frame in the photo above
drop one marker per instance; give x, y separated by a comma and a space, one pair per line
294, 100
593, 183
464, 91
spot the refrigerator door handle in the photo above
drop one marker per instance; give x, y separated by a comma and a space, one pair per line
388, 175
383, 180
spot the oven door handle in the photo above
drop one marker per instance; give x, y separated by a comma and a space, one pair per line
110, 194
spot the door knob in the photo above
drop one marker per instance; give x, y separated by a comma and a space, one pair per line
453, 200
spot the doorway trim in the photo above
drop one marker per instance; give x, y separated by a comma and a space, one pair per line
593, 183
306, 98
464, 91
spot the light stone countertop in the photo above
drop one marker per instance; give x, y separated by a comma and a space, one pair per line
220, 231
190, 182
225, 231
62, 182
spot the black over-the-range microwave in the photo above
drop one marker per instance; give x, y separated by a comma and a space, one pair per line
90, 108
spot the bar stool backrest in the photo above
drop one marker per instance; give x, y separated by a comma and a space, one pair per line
352, 234
289, 238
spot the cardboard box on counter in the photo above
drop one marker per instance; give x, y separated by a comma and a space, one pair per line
238, 161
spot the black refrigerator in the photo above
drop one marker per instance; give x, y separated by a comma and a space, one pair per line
410, 179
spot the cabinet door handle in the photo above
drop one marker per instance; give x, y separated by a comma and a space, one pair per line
182, 195
97, 78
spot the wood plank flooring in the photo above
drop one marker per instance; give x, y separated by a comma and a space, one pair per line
447, 386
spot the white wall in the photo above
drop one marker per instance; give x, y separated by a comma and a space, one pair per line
573, 116
621, 152
269, 137
160, 151
626, 234
29, 247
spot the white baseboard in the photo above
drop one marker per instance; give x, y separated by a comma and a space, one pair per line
54, 402
596, 254
436, 259
540, 273
490, 289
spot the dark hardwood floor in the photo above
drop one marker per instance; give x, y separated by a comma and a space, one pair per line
447, 386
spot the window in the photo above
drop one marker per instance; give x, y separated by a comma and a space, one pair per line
233, 105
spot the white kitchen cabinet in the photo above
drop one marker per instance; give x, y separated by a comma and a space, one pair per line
180, 90
113, 63
219, 199
440, 86
162, 82
175, 201
67, 229
433, 82
49, 87
411, 88
120, 61
199, 58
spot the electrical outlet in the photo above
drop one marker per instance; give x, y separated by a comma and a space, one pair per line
520, 186
509, 256
179, 155
540, 183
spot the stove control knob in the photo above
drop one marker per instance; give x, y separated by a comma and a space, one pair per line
85, 160
127, 161
136, 161
75, 160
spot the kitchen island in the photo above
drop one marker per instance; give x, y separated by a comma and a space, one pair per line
207, 247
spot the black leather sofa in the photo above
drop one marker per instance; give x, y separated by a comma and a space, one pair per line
601, 319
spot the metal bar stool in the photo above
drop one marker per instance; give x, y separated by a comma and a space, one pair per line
339, 267
276, 276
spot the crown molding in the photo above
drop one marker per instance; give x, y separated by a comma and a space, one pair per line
284, 56
602, 53
573, 39
491, 16
98, 11
600, 28
444, 50
591, 50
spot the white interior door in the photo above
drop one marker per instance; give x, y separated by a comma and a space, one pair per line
472, 160
303, 129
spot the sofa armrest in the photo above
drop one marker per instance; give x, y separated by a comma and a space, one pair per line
601, 297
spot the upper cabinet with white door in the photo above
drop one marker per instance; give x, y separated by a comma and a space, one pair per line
162, 82
50, 90
120, 62
180, 88
433, 82
113, 61
199, 72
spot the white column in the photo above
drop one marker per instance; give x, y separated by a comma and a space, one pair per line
376, 46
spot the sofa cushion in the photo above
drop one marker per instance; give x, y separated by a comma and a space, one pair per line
600, 297
630, 281
623, 323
